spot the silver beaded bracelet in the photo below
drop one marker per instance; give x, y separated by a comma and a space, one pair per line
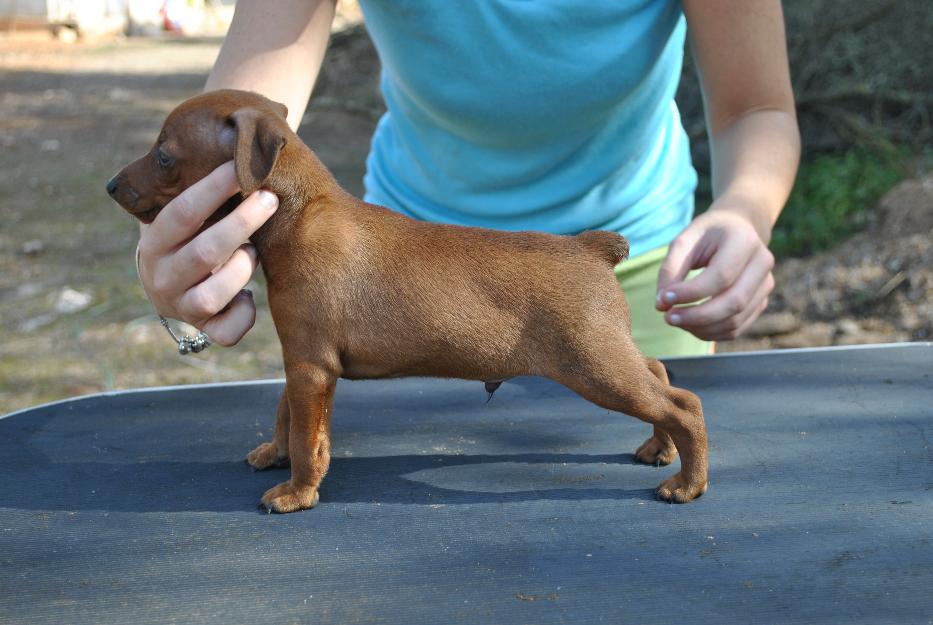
187, 344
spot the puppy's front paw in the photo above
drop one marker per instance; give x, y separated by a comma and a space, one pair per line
266, 456
677, 489
287, 498
654, 451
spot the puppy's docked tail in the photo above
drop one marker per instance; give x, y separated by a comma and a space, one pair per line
609, 245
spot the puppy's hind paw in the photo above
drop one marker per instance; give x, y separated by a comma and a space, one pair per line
266, 456
677, 489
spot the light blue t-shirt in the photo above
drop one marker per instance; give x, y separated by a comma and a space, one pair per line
543, 115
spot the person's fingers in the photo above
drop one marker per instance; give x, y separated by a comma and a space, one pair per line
753, 283
682, 256
204, 300
731, 328
724, 269
228, 327
216, 244
181, 218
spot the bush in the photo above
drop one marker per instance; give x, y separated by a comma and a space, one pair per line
832, 198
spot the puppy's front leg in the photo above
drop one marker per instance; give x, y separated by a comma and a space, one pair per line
310, 399
274, 454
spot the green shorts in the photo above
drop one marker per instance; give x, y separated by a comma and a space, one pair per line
639, 279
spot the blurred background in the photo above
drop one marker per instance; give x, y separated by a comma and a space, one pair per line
84, 87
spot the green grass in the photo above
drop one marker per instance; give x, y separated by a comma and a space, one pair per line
833, 197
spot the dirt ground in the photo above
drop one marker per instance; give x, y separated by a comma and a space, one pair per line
74, 320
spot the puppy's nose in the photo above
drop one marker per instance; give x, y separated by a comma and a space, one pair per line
112, 185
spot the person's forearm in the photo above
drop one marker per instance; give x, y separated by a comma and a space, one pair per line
276, 49
754, 162
741, 56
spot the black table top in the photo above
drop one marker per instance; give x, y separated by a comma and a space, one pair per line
136, 507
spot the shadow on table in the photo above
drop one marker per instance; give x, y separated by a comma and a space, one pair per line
233, 486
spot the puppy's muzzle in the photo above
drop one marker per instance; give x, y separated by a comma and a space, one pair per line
125, 195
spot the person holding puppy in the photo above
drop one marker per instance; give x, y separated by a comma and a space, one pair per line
528, 116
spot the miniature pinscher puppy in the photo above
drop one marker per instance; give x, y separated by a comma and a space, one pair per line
359, 291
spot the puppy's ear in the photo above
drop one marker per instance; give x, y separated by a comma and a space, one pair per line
260, 138
281, 109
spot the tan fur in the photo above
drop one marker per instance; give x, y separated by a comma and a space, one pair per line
359, 291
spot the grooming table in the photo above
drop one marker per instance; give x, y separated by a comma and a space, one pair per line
136, 507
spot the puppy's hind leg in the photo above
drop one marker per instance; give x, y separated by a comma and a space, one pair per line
614, 379
658, 450
275, 454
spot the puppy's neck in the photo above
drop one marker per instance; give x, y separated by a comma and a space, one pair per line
303, 184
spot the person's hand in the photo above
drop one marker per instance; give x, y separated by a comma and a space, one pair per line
721, 301
198, 277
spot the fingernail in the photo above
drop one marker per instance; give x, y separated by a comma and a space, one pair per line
675, 319
247, 292
268, 199
670, 297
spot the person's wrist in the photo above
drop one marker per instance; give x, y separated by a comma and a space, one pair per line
139, 274
754, 211
142, 280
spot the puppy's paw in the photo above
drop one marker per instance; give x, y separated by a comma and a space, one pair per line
654, 451
287, 498
266, 456
677, 489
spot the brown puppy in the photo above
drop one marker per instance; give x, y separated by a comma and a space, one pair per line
359, 291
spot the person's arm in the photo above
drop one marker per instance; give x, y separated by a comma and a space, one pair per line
741, 54
276, 49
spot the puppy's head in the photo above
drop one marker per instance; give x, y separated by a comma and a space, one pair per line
198, 136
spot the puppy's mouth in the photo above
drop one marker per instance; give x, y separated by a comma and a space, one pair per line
146, 216
129, 199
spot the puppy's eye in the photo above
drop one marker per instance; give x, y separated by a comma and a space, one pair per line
165, 160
